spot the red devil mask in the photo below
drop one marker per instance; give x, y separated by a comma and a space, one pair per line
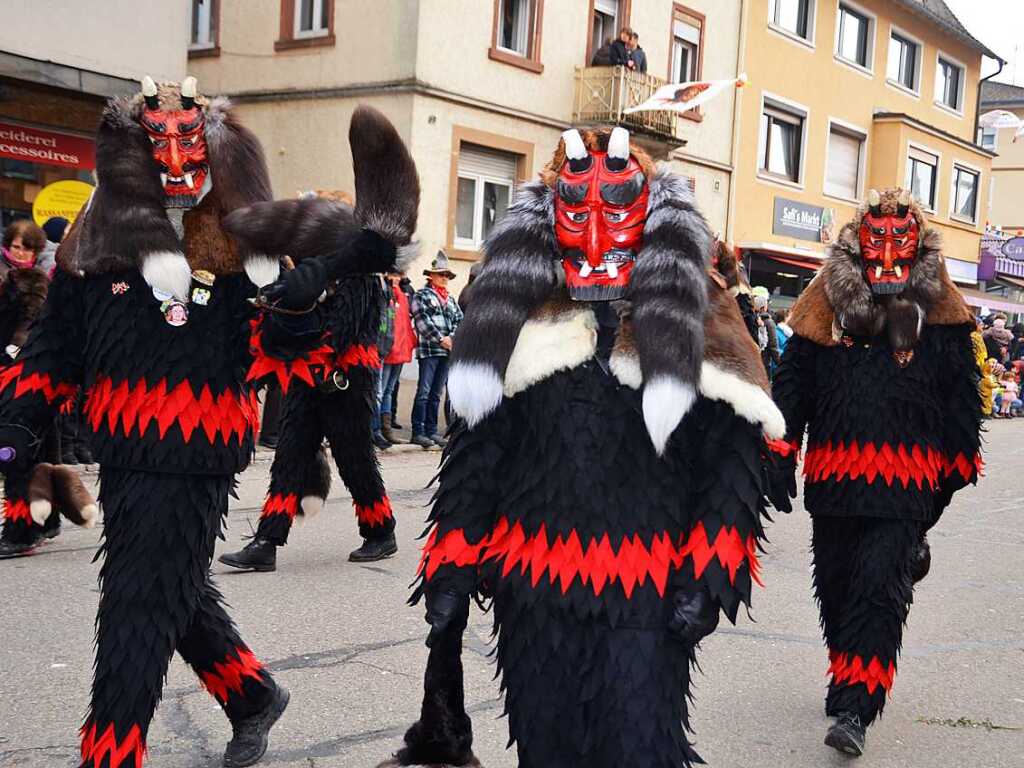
600, 210
179, 144
888, 245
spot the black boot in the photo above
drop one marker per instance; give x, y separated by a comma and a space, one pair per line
250, 735
11, 549
380, 441
387, 432
439, 440
922, 560
257, 555
846, 734
423, 441
375, 549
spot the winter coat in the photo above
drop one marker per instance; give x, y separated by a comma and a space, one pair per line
435, 318
22, 294
402, 331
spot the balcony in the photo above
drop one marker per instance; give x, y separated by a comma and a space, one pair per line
603, 94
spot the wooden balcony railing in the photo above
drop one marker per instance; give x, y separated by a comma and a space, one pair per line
604, 93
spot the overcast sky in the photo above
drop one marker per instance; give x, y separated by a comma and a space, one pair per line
999, 24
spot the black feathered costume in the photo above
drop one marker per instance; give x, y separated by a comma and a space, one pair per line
885, 385
171, 404
609, 519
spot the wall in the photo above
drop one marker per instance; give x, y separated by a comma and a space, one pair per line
98, 37
1007, 208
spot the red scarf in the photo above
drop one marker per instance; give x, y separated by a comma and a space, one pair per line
442, 293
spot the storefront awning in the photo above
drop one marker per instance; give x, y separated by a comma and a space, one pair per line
812, 264
990, 301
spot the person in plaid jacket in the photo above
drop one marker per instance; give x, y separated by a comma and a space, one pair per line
436, 315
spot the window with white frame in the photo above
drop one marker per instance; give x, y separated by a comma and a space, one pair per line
203, 30
312, 18
987, 138
922, 176
965, 193
515, 20
685, 50
486, 179
793, 16
949, 84
854, 36
781, 141
605, 24
844, 163
904, 61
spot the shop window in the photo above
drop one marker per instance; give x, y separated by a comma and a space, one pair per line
965, 194
855, 37
922, 175
204, 25
781, 142
844, 163
687, 48
794, 17
606, 19
17, 169
485, 179
306, 23
904, 62
949, 84
516, 37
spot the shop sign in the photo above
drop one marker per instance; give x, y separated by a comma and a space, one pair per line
61, 198
37, 145
990, 252
799, 220
1014, 248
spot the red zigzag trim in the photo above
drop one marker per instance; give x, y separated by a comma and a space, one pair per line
17, 510
133, 748
133, 407
920, 466
228, 676
598, 564
849, 669
374, 514
35, 382
281, 504
783, 449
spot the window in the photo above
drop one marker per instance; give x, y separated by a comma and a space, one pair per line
516, 39
781, 142
922, 174
793, 16
203, 40
854, 37
306, 24
312, 18
904, 56
949, 84
844, 163
607, 19
965, 193
987, 138
687, 33
486, 178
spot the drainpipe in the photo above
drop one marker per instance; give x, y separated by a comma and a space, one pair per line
977, 104
737, 119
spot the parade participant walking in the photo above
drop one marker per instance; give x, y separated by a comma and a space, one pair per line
150, 313
605, 487
880, 371
338, 399
437, 316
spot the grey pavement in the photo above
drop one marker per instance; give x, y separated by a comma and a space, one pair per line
342, 639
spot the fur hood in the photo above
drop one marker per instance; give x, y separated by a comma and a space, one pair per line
125, 224
839, 299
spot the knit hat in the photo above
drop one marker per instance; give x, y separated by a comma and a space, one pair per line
54, 228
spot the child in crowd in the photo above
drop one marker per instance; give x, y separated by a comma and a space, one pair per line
1010, 396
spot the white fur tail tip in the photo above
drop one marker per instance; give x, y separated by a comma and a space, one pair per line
312, 505
666, 402
406, 255
168, 272
40, 510
262, 269
474, 389
89, 514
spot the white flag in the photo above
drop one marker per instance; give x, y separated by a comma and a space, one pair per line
682, 97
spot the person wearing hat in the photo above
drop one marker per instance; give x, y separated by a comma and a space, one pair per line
437, 315
55, 228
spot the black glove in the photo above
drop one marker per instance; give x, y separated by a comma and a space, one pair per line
367, 254
442, 607
780, 481
18, 449
298, 290
694, 617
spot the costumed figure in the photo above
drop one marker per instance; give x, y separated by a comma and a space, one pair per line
339, 402
880, 371
153, 311
604, 484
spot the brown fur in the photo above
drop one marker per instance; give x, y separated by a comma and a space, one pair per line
595, 140
31, 286
63, 488
207, 245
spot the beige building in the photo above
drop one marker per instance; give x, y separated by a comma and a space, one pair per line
480, 90
59, 62
1006, 208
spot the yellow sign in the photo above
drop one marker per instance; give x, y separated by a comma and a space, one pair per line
61, 198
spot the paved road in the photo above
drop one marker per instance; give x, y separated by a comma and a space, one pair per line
341, 638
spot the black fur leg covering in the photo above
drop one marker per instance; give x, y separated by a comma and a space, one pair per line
862, 581
18, 526
444, 733
156, 597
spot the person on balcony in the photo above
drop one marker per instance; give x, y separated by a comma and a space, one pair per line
637, 55
620, 49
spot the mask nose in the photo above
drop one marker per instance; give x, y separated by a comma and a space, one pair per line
593, 241
887, 257
174, 166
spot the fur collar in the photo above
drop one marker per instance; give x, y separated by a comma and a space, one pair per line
562, 335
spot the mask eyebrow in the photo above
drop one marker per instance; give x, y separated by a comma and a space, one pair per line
155, 127
625, 193
574, 194
189, 127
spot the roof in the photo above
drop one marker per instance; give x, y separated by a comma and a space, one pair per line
939, 14
1001, 94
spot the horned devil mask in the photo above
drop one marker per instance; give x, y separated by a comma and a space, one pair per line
888, 244
179, 143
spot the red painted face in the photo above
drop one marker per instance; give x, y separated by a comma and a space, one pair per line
599, 223
888, 245
179, 147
